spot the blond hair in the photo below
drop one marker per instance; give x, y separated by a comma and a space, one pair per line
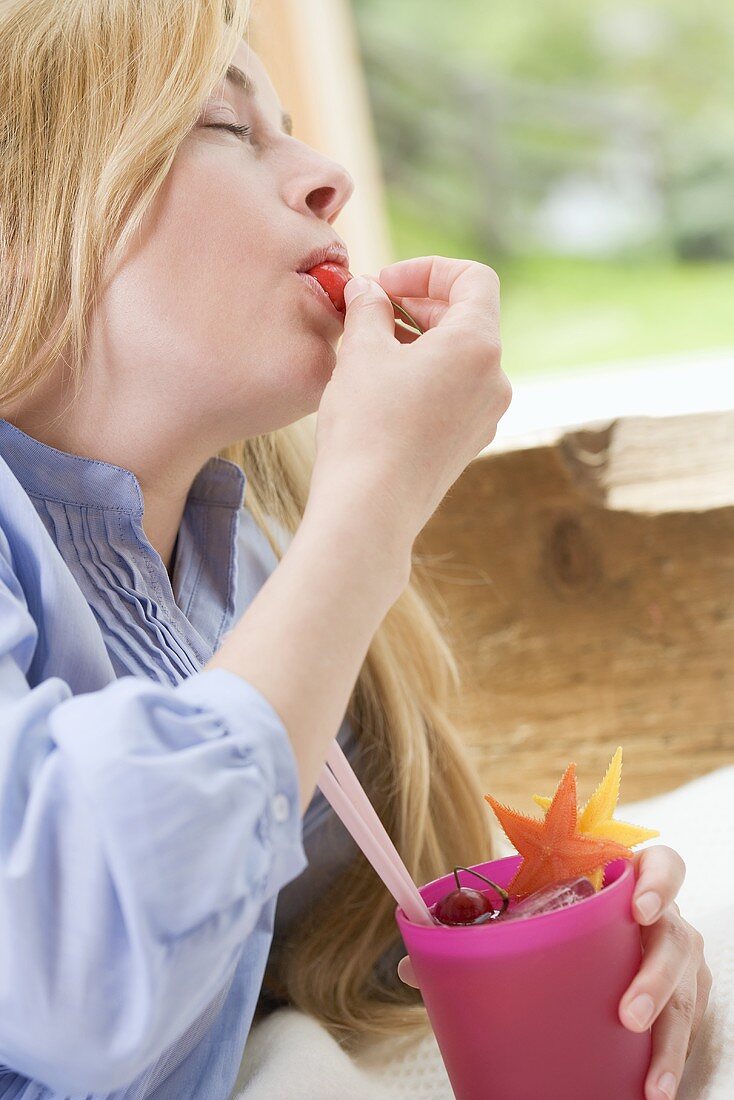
95, 98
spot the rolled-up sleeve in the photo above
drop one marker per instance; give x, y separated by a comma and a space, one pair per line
142, 829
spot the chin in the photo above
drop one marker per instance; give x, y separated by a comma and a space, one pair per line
320, 362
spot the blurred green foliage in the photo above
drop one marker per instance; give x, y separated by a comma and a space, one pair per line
559, 313
501, 124
680, 51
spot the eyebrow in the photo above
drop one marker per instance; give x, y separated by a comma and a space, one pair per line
236, 76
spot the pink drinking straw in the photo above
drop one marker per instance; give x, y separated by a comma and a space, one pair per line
350, 802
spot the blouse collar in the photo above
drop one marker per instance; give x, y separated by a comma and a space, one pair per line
200, 599
47, 472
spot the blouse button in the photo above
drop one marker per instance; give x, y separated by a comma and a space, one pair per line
281, 807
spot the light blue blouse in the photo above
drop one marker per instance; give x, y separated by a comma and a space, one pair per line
149, 810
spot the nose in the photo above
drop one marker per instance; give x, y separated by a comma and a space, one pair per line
324, 189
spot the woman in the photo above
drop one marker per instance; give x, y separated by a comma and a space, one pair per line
170, 676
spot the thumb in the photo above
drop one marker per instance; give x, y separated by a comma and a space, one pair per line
406, 972
368, 308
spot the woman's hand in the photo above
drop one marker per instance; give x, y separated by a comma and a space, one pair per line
673, 975
673, 980
399, 422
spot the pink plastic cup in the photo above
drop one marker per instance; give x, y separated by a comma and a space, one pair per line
530, 1008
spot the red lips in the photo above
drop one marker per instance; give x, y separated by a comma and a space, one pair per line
333, 278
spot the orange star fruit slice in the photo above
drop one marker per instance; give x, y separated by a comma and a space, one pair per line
552, 850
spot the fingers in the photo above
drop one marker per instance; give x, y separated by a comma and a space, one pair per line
426, 312
372, 308
660, 872
369, 312
667, 956
671, 1040
404, 334
424, 276
703, 981
406, 973
470, 288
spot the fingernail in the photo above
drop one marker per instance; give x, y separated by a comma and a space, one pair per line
648, 905
355, 286
641, 1010
666, 1084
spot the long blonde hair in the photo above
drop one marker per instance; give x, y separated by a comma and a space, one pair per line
95, 98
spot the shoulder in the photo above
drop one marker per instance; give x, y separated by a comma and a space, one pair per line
11, 512
22, 534
18, 629
28, 556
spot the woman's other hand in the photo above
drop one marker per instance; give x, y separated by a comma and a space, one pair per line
673, 980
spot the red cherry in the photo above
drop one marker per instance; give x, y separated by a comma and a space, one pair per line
333, 278
466, 906
462, 906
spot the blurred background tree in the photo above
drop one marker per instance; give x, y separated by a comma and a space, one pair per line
585, 149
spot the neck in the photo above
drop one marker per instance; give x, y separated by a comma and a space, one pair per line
164, 467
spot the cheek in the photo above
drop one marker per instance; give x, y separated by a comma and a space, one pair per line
205, 303
199, 268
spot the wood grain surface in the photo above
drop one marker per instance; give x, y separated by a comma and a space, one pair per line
586, 580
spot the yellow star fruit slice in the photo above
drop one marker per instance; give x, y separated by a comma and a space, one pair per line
597, 820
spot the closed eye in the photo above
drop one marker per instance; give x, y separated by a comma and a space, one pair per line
233, 127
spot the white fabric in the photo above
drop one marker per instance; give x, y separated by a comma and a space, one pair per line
289, 1056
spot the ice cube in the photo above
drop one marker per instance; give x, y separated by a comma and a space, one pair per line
559, 895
